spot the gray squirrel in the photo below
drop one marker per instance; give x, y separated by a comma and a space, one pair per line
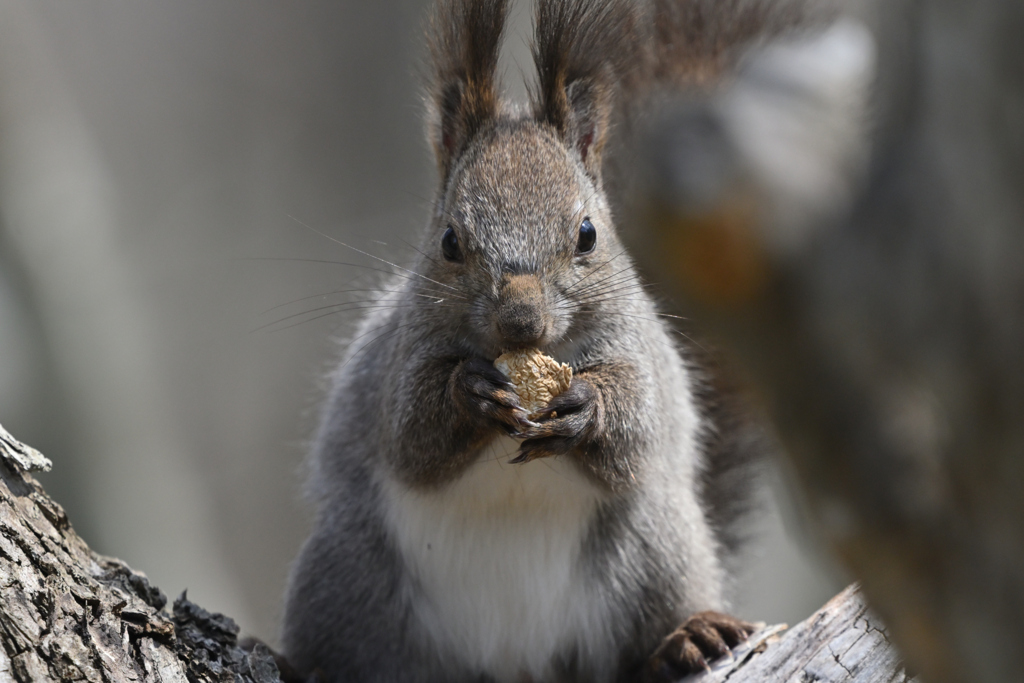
458, 538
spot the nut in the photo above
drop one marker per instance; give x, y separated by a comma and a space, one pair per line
538, 378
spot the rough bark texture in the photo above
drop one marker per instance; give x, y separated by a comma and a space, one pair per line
68, 614
840, 643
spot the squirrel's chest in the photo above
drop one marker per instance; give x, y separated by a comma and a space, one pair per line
494, 564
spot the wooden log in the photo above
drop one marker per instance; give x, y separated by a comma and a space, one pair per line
840, 643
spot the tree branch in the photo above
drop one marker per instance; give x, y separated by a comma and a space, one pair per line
67, 613
840, 643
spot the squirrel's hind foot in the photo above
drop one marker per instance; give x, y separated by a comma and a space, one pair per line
704, 637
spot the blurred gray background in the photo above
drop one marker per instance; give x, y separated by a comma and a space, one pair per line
157, 164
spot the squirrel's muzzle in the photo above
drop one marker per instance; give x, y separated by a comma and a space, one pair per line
522, 312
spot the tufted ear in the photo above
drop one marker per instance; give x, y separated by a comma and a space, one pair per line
465, 39
581, 49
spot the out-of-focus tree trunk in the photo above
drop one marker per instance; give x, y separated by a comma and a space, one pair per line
887, 341
58, 209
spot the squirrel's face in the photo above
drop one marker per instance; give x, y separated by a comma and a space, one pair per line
522, 235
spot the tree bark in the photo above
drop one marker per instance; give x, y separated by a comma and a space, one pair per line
69, 614
840, 643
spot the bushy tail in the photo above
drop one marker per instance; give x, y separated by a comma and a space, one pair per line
599, 60
694, 40
737, 446
592, 57
639, 45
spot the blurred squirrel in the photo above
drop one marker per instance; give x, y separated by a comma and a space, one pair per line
458, 538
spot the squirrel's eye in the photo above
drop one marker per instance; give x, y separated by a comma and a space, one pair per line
588, 237
450, 245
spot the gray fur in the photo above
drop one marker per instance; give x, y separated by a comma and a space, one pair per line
349, 604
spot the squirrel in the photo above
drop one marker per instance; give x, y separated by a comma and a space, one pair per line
457, 537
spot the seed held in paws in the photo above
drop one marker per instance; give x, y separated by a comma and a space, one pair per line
538, 378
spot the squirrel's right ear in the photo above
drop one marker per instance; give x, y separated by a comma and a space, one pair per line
582, 50
465, 39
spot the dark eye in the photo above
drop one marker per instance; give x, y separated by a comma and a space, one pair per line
450, 245
588, 237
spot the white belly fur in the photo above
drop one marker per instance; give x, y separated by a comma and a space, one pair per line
494, 560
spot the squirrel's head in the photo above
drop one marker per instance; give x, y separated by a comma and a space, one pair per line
522, 233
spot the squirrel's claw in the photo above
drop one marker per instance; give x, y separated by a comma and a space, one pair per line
521, 458
704, 637
548, 447
524, 425
482, 390
561, 426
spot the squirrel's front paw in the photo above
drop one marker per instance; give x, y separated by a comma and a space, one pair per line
562, 424
485, 393
704, 637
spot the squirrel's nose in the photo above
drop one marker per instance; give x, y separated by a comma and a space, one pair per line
521, 314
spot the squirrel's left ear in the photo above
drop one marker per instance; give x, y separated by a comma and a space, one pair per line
581, 48
465, 39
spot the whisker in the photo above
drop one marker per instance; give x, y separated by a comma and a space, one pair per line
296, 324
612, 280
610, 293
421, 252
668, 328
337, 291
366, 253
612, 286
347, 263
596, 270
624, 272
362, 305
